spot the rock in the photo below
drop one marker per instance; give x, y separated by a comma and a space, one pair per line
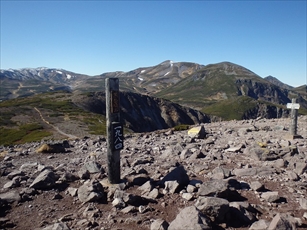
142, 209
185, 154
130, 199
51, 148
138, 179
13, 183
303, 203
146, 187
216, 188
159, 224
221, 173
15, 173
242, 213
292, 176
259, 225
191, 188
190, 218
72, 191
234, 149
57, 226
256, 186
187, 196
178, 174
10, 196
214, 207
93, 167
128, 209
91, 191
28, 167
153, 194
118, 203
245, 172
270, 196
300, 167
282, 222
46, 179
171, 187
84, 174
198, 132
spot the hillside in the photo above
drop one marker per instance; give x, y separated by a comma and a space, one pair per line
60, 115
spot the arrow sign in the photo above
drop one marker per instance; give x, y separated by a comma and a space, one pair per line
293, 106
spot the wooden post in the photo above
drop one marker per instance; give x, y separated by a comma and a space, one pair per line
114, 129
293, 126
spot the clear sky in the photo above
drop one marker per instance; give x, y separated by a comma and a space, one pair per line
94, 37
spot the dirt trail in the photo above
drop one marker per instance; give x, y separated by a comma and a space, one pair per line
54, 127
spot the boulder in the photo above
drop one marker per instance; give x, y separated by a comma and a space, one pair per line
51, 148
10, 197
198, 132
93, 167
159, 224
178, 174
91, 191
282, 222
214, 207
190, 218
45, 180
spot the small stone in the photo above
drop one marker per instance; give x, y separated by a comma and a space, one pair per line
187, 196
118, 203
142, 208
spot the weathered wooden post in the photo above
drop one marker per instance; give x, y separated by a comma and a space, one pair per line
293, 126
114, 129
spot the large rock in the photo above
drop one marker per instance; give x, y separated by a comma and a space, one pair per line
93, 167
242, 213
259, 225
51, 148
198, 132
10, 197
282, 222
45, 180
217, 188
159, 224
178, 174
190, 218
214, 207
91, 191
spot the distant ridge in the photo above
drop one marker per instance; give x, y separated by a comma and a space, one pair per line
222, 89
277, 82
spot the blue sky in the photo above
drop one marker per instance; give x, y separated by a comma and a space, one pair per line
94, 37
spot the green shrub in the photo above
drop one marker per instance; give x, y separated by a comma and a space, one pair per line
25, 133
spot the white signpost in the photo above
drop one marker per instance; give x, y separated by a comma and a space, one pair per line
293, 127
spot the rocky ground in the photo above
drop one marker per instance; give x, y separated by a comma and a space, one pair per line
238, 175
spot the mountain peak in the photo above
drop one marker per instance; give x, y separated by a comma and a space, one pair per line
277, 82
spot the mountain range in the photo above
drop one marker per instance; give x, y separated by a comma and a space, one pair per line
156, 97
190, 84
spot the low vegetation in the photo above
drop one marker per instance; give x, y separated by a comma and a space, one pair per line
231, 109
181, 127
22, 134
56, 107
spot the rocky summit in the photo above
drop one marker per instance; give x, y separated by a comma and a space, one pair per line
232, 175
